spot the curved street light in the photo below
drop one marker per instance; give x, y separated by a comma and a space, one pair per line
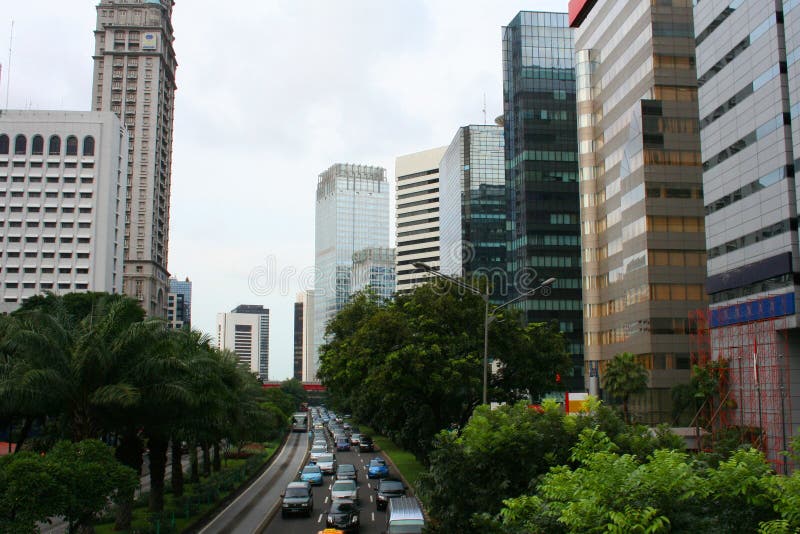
488, 317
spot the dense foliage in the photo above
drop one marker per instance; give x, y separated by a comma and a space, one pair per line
73, 480
414, 366
501, 453
91, 366
517, 470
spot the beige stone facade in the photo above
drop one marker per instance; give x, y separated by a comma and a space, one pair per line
134, 76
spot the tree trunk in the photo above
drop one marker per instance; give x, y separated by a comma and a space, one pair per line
158, 465
194, 465
129, 453
177, 468
23, 433
216, 459
206, 460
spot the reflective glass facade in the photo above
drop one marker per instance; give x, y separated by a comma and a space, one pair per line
473, 206
374, 269
352, 214
541, 160
641, 191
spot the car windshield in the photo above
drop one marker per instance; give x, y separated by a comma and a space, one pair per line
377, 463
296, 492
347, 468
310, 470
391, 485
343, 507
365, 439
319, 448
343, 485
325, 458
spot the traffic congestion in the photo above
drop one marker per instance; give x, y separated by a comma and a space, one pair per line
345, 486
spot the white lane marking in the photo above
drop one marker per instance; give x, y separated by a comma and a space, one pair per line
369, 485
320, 519
373, 516
326, 499
370, 498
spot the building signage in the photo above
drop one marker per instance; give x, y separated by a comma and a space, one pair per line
150, 41
578, 9
758, 310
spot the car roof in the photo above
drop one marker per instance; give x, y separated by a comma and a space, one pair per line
299, 484
404, 508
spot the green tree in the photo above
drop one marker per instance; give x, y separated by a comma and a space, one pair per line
623, 377
414, 366
74, 480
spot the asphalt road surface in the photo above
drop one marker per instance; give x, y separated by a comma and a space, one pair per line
249, 511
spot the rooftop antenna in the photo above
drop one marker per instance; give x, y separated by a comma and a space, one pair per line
8, 65
484, 109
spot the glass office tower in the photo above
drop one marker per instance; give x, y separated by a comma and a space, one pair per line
541, 159
641, 190
472, 206
352, 214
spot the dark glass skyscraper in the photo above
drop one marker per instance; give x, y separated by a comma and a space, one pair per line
541, 155
472, 206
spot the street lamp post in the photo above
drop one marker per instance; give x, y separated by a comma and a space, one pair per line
488, 316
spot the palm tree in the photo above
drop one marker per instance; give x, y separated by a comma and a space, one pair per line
624, 376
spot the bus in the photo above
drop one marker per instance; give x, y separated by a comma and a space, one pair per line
300, 422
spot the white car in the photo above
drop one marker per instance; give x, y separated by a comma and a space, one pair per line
327, 462
344, 489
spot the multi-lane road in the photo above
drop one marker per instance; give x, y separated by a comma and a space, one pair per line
257, 509
372, 520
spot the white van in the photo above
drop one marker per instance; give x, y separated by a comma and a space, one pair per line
404, 516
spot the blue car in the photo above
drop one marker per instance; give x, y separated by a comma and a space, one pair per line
377, 468
312, 474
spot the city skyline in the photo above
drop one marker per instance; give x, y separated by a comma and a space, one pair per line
426, 78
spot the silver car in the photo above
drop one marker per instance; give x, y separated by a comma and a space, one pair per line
317, 450
327, 463
344, 489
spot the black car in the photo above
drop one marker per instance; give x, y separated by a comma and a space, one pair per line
344, 515
297, 499
365, 444
388, 488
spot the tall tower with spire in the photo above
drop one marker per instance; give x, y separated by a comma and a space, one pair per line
134, 76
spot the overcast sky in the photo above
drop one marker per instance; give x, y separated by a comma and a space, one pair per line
270, 94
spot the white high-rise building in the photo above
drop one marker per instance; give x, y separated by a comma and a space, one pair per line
134, 76
309, 356
245, 331
417, 224
62, 203
352, 214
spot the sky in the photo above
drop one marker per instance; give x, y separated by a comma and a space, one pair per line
270, 94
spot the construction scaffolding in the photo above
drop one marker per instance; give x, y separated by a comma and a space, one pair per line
748, 363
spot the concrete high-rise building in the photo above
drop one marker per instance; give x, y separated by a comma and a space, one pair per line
134, 76
245, 331
62, 203
352, 214
374, 269
641, 190
749, 96
417, 224
542, 173
299, 314
472, 206
179, 305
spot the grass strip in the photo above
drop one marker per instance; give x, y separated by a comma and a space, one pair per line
406, 463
